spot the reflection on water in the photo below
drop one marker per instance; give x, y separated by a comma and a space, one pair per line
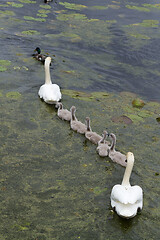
53, 184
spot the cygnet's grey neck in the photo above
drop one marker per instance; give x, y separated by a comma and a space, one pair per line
73, 114
88, 124
47, 73
113, 141
60, 106
103, 137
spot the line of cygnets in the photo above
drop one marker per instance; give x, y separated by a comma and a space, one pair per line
126, 200
104, 148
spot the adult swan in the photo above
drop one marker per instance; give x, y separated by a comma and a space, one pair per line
49, 92
127, 199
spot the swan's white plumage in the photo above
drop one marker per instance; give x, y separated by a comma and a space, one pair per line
127, 199
49, 92
128, 195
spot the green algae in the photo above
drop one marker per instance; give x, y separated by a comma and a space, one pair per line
30, 154
5, 62
30, 32
140, 36
111, 21
3, 69
72, 6
113, 6
26, 1
34, 19
135, 118
42, 15
86, 96
13, 95
138, 103
3, 5
145, 23
44, 11
45, 6
81, 184
98, 190
155, 6
7, 12
13, 4
71, 16
141, 9
99, 7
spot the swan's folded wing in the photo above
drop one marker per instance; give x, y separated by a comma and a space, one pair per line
131, 195
118, 194
135, 194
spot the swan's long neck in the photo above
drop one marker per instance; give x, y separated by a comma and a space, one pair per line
127, 174
47, 73
88, 125
113, 143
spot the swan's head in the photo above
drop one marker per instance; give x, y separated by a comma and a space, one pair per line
38, 50
48, 60
130, 158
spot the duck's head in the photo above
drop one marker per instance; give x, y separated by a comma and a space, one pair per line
38, 50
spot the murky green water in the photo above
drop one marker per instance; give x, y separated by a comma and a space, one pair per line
53, 185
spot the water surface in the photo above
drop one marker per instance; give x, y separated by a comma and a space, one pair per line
105, 54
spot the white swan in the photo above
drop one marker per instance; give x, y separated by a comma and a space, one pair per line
91, 136
103, 147
75, 124
127, 199
114, 155
49, 92
62, 113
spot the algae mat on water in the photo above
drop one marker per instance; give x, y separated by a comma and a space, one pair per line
53, 183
